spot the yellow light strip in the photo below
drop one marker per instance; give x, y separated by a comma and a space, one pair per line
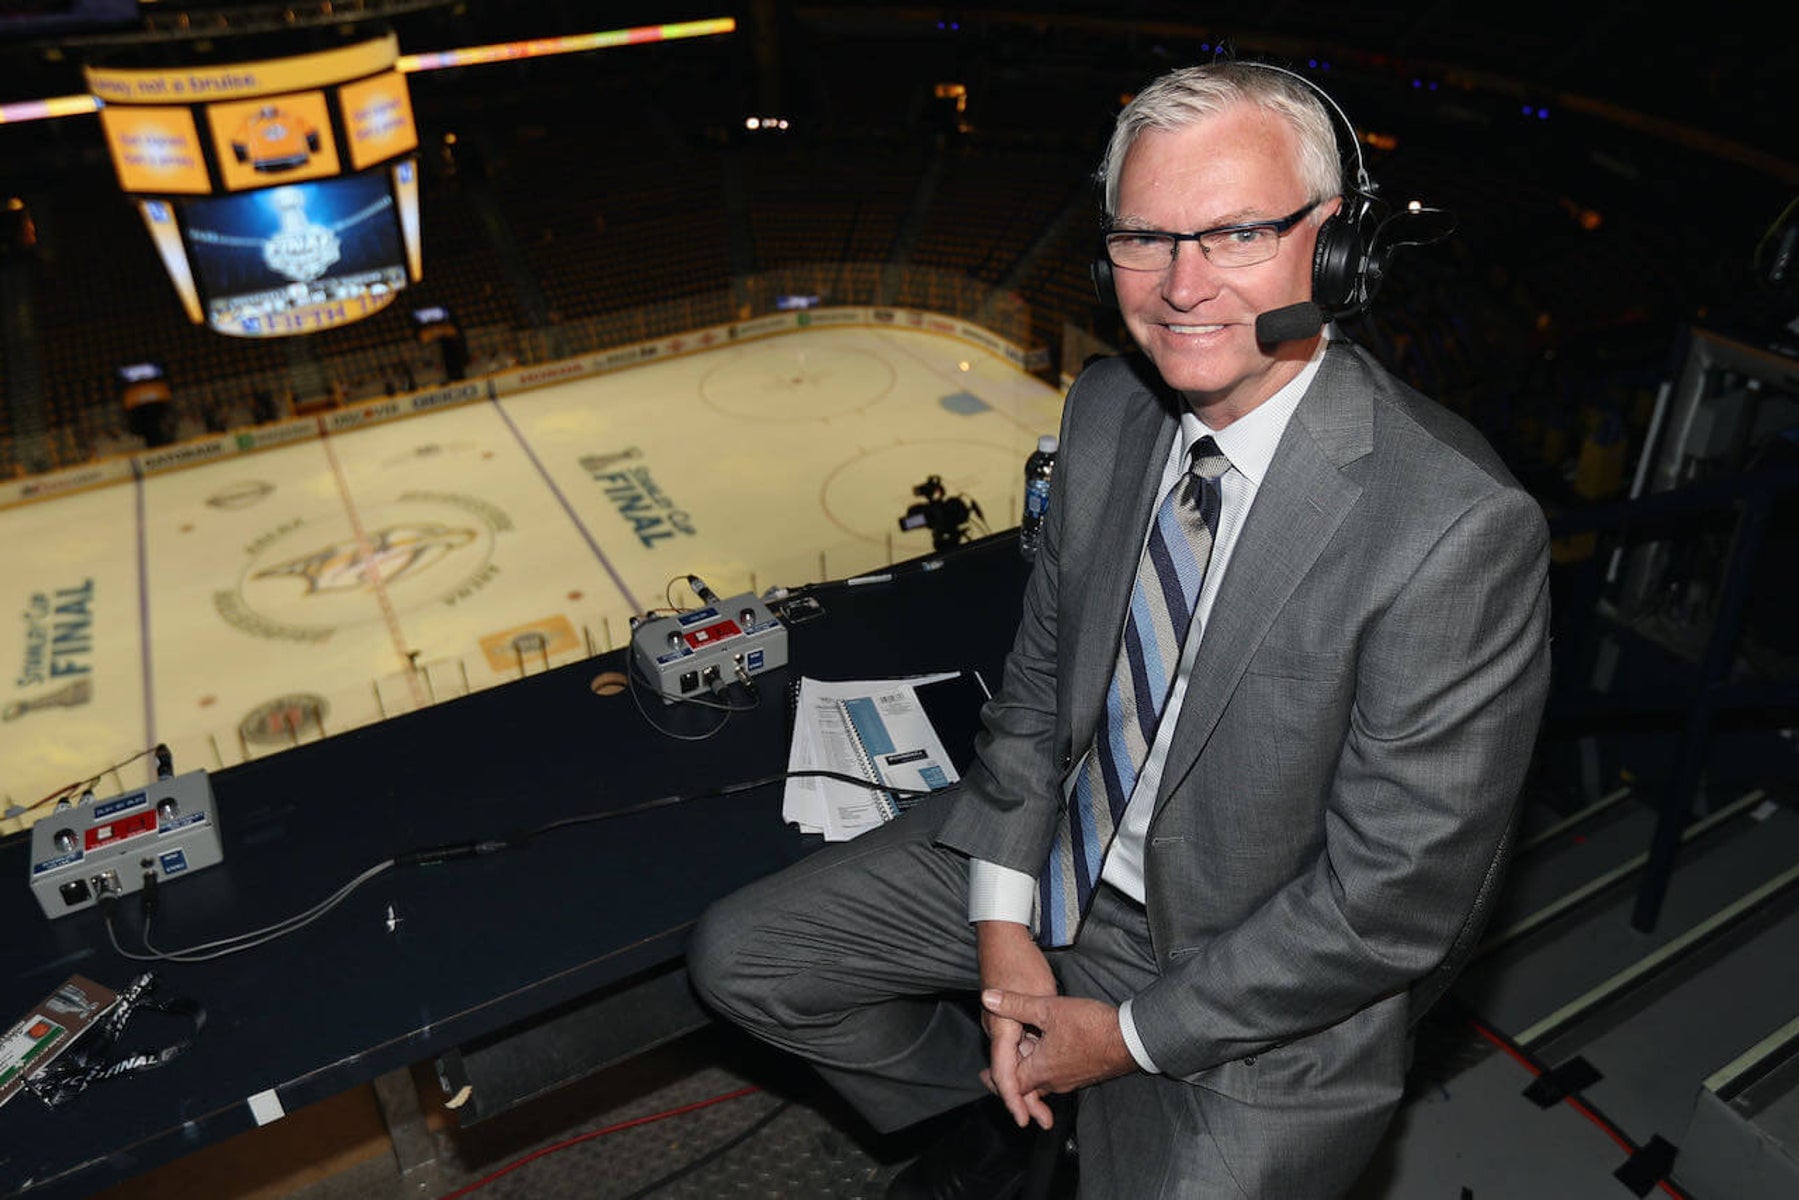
244, 79
572, 44
73, 106
42, 110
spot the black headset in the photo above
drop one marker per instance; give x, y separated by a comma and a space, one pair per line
1346, 271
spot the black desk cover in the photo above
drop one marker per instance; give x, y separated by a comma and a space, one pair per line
479, 944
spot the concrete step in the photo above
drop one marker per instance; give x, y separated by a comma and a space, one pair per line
1478, 1134
1742, 1140
1564, 975
1656, 1040
1557, 936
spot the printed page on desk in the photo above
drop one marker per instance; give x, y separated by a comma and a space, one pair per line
871, 729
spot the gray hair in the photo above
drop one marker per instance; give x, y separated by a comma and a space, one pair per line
1189, 95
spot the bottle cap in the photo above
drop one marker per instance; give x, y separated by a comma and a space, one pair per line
1047, 443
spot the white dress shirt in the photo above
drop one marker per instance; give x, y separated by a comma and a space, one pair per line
997, 893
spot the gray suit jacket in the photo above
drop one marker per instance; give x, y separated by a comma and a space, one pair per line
1336, 807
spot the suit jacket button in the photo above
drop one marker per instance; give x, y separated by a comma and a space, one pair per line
1067, 760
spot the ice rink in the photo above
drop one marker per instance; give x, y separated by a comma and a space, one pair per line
232, 608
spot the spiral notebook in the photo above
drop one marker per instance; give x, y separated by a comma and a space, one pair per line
877, 730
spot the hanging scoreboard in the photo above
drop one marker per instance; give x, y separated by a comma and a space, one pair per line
281, 194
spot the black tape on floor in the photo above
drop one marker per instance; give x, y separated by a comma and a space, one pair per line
1648, 1166
1553, 1086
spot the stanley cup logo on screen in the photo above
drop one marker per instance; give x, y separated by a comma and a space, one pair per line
299, 250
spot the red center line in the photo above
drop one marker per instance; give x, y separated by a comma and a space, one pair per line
371, 571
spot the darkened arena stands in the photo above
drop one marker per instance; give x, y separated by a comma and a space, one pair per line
1616, 310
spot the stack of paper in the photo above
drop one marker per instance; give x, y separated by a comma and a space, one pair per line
869, 729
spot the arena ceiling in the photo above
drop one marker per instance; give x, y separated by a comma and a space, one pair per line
1727, 70
1720, 86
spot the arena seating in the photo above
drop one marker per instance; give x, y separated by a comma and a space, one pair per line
603, 232
990, 207
540, 217
842, 203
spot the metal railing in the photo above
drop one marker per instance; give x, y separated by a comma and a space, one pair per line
1693, 626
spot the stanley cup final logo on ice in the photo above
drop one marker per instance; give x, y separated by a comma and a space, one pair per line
58, 651
641, 503
306, 578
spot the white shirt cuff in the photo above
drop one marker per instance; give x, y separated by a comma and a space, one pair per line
1133, 1043
997, 893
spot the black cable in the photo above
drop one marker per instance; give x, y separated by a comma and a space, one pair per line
730, 789
712, 1155
107, 902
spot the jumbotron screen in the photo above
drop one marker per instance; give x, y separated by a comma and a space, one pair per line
292, 258
282, 194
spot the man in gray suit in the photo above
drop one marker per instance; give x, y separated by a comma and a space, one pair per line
1245, 791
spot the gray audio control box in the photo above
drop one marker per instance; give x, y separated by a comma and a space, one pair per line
82, 850
725, 642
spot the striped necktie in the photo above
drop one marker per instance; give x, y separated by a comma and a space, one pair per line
1162, 602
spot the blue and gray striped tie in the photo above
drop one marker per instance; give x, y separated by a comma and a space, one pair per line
1162, 602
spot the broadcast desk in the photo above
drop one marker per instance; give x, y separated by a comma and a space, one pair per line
447, 962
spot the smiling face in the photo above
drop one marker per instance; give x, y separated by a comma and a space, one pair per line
1194, 321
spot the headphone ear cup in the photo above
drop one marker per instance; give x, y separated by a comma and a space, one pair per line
1340, 258
1103, 285
1333, 263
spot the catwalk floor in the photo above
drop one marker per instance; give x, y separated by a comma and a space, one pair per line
712, 1115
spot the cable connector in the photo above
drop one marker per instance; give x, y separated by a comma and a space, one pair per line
106, 893
148, 895
744, 677
432, 856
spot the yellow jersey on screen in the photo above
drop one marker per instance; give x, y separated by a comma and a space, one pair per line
271, 139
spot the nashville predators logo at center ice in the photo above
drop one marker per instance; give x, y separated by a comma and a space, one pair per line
376, 558
308, 577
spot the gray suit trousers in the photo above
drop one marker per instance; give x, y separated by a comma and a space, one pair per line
861, 960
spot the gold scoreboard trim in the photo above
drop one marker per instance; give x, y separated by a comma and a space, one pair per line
265, 123
177, 134
243, 81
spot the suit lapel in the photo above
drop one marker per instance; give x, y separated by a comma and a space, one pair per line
1302, 500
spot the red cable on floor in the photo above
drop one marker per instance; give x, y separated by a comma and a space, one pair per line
1580, 1106
478, 1184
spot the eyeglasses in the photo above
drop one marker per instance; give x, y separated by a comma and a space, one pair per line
1242, 245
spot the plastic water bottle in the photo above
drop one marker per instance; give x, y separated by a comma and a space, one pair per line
1037, 471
